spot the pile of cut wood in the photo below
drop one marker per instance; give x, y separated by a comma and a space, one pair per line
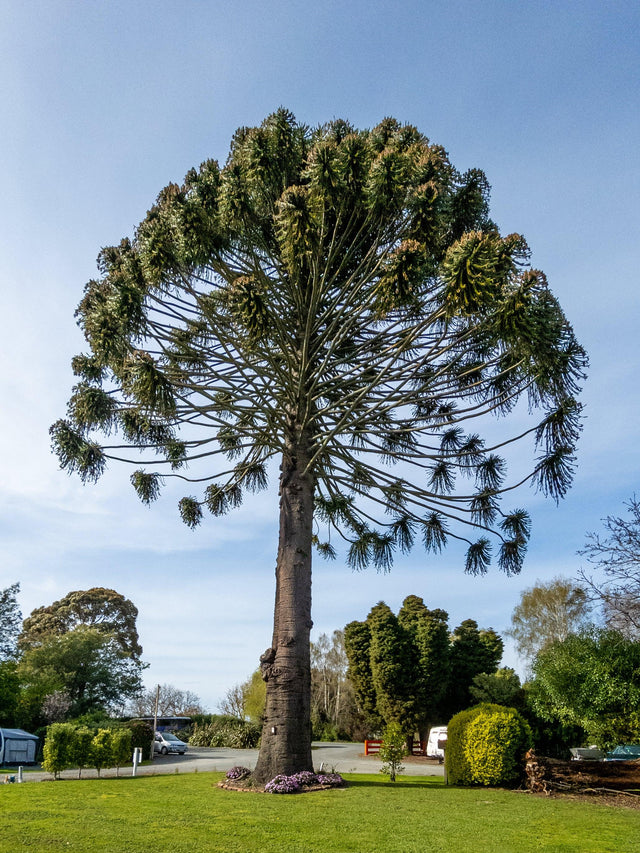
549, 775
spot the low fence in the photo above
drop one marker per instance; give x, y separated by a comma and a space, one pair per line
372, 747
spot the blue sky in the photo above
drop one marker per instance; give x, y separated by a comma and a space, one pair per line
104, 103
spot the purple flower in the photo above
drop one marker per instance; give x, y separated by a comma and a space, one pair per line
305, 779
331, 779
282, 785
238, 772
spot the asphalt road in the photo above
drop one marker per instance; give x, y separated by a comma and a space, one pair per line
331, 757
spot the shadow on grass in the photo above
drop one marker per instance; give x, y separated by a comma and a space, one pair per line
384, 783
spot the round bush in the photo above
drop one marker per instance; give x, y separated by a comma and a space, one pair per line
486, 746
495, 744
455, 759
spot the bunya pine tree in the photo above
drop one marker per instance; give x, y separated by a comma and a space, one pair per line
339, 301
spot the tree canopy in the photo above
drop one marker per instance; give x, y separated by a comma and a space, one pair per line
591, 679
103, 609
86, 665
78, 655
342, 285
10, 621
548, 612
410, 669
341, 301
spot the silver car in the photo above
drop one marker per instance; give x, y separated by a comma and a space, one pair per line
165, 742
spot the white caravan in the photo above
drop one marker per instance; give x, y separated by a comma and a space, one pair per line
437, 734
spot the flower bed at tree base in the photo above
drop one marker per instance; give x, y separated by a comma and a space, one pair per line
549, 775
240, 779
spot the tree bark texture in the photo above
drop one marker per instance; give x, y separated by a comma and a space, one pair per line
286, 666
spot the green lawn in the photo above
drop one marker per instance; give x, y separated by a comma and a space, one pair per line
189, 813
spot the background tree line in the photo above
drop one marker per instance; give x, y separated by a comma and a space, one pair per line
411, 669
78, 656
580, 639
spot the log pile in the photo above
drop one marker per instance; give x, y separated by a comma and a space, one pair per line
549, 775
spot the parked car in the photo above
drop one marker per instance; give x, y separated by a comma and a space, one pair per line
165, 742
624, 752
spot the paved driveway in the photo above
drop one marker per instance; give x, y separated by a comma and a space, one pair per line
338, 757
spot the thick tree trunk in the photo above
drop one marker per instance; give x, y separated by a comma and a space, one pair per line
286, 667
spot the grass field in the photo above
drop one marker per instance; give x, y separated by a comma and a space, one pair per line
189, 813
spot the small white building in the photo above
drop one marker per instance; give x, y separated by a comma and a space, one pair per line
17, 747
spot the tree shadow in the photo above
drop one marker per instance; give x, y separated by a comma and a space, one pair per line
384, 783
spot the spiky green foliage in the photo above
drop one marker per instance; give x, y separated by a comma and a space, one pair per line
340, 289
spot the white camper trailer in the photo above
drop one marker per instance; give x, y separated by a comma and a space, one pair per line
17, 747
436, 735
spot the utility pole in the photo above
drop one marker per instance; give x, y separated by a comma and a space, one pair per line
155, 723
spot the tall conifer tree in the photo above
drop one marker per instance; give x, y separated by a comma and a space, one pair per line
337, 300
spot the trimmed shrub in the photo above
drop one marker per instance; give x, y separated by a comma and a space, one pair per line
486, 746
101, 750
495, 744
455, 760
82, 756
59, 748
226, 731
141, 736
122, 752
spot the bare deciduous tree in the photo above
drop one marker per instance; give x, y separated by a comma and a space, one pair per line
616, 554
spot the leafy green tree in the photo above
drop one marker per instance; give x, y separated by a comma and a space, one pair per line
102, 749
393, 668
255, 697
336, 300
10, 621
393, 750
121, 749
410, 669
103, 609
592, 680
9, 690
87, 664
472, 651
548, 612
81, 748
501, 687
58, 749
617, 555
